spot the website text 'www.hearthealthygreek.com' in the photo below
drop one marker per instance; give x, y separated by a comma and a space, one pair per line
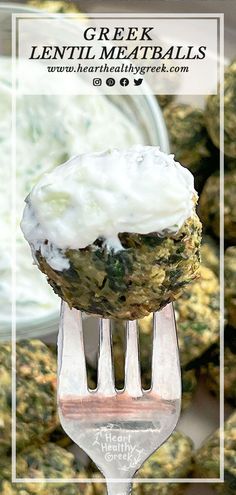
123, 68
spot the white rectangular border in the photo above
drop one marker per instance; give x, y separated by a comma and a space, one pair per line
219, 16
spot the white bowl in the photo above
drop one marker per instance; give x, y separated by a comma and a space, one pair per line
146, 112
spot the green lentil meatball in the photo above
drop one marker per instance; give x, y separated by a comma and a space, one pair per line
164, 100
210, 254
147, 274
172, 460
188, 135
48, 461
36, 412
35, 391
189, 387
5, 398
230, 285
197, 317
212, 371
207, 458
211, 368
209, 205
212, 113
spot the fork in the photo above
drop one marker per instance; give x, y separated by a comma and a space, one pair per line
118, 429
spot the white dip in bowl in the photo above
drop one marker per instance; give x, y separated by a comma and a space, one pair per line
49, 130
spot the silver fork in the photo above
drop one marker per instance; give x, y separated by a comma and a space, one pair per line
118, 429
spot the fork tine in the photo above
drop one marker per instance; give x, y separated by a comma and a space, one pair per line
132, 366
72, 374
106, 382
166, 379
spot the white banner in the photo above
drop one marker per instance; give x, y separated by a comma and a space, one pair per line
117, 54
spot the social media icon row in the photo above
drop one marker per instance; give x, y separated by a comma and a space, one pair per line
110, 81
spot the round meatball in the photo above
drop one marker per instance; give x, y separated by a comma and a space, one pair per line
212, 113
230, 285
46, 461
36, 409
207, 459
211, 371
209, 205
188, 135
210, 254
149, 272
197, 317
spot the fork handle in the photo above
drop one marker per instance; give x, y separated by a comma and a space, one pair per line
119, 488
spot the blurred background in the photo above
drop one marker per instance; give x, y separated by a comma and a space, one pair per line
188, 127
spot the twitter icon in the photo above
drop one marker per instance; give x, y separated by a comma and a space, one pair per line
137, 82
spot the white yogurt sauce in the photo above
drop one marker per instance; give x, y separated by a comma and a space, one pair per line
95, 195
50, 129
